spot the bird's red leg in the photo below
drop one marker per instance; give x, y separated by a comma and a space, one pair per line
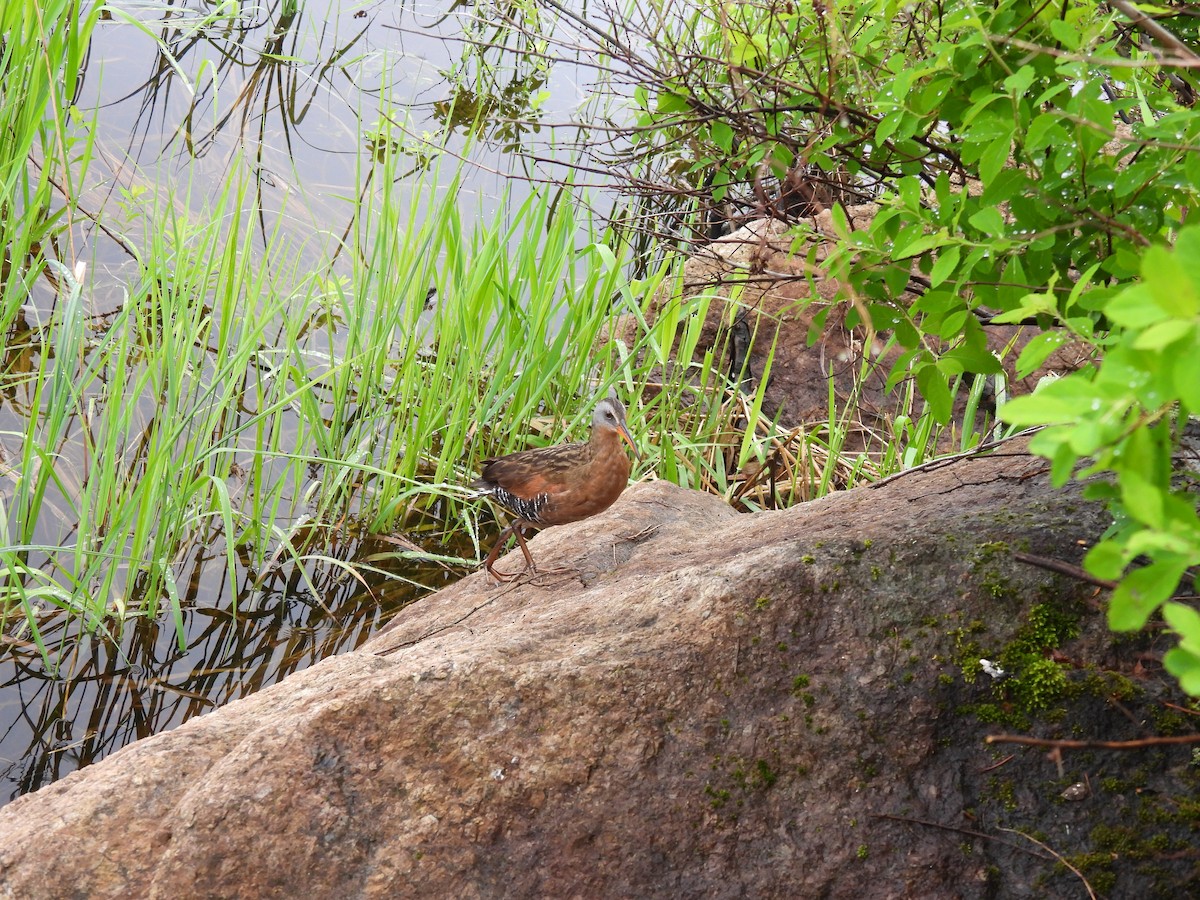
489, 563
518, 531
491, 557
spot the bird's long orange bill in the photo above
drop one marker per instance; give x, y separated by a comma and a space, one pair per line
623, 430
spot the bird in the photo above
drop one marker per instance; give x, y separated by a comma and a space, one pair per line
560, 484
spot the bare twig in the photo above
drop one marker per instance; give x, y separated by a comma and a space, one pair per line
1149, 26
1185, 61
925, 823
997, 765
954, 457
1063, 568
1057, 856
1182, 709
1139, 744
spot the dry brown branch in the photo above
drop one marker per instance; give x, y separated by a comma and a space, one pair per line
1139, 744
1150, 27
1063, 568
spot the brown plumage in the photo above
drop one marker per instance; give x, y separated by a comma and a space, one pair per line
560, 484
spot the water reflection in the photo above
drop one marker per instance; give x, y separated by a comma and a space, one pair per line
296, 95
107, 694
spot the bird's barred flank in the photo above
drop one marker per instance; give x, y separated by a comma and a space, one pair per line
527, 508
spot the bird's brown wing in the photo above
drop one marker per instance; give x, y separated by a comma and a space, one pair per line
531, 472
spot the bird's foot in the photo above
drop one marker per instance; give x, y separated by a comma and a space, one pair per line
505, 577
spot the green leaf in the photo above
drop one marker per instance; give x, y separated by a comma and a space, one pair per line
896, 278
989, 127
906, 334
977, 359
1103, 491
1185, 666
841, 224
1047, 441
915, 245
1134, 307
1094, 433
910, 190
1185, 622
722, 136
1163, 334
1030, 305
953, 324
888, 124
745, 49
993, 159
1106, 560
947, 262
1013, 286
1044, 131
1062, 464
1019, 81
1051, 92
1142, 453
1031, 409
989, 221
1173, 288
1081, 292
1133, 178
1185, 371
980, 105
817, 329
1142, 498
927, 99
669, 103
1187, 251
1142, 591
1063, 400
1038, 350
933, 387
899, 370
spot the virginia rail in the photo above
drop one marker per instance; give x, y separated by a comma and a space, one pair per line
560, 484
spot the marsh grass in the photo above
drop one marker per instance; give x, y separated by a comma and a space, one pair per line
42, 49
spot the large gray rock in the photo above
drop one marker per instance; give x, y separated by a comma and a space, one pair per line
698, 703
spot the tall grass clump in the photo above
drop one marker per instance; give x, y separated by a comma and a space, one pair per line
456, 335
467, 338
42, 45
136, 425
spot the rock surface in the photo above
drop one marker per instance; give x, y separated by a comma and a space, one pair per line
701, 704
